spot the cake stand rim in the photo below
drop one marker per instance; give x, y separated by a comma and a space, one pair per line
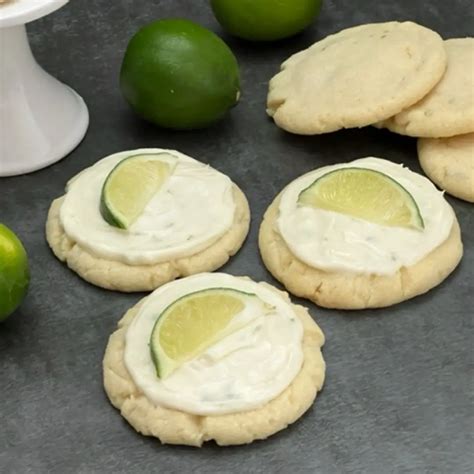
16, 16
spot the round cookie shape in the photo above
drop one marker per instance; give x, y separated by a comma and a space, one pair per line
448, 110
344, 272
127, 261
449, 163
175, 426
335, 241
356, 77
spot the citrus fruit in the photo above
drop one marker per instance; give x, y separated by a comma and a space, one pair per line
265, 20
14, 272
365, 194
179, 75
130, 186
192, 323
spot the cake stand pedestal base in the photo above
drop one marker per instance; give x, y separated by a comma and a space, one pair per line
41, 119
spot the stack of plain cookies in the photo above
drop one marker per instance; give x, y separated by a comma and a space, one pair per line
399, 76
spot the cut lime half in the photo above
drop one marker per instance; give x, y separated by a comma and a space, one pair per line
191, 324
365, 194
130, 186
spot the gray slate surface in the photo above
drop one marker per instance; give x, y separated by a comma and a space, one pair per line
399, 390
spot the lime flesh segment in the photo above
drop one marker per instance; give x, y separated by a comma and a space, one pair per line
130, 186
193, 323
365, 194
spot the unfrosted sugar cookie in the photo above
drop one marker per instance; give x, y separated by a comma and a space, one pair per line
214, 357
194, 222
449, 163
356, 77
448, 109
364, 234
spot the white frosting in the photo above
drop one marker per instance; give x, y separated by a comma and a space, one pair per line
243, 371
336, 242
192, 210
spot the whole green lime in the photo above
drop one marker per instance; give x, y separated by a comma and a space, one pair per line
265, 20
14, 272
179, 75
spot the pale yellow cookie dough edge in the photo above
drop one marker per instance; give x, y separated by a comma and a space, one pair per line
438, 114
119, 276
354, 291
310, 117
176, 427
449, 163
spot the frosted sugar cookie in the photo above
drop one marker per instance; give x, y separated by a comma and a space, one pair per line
356, 77
214, 357
448, 109
364, 234
449, 163
161, 215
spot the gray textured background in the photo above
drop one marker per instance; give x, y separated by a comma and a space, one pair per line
399, 390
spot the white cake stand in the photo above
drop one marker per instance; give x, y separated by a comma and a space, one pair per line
41, 119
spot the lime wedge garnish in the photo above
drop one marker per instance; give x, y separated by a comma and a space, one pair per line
193, 323
130, 186
365, 194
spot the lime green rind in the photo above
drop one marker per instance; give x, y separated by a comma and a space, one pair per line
417, 219
164, 365
179, 75
104, 209
108, 216
116, 219
158, 357
14, 272
265, 20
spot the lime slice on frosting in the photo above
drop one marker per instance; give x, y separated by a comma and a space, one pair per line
365, 194
130, 186
191, 324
